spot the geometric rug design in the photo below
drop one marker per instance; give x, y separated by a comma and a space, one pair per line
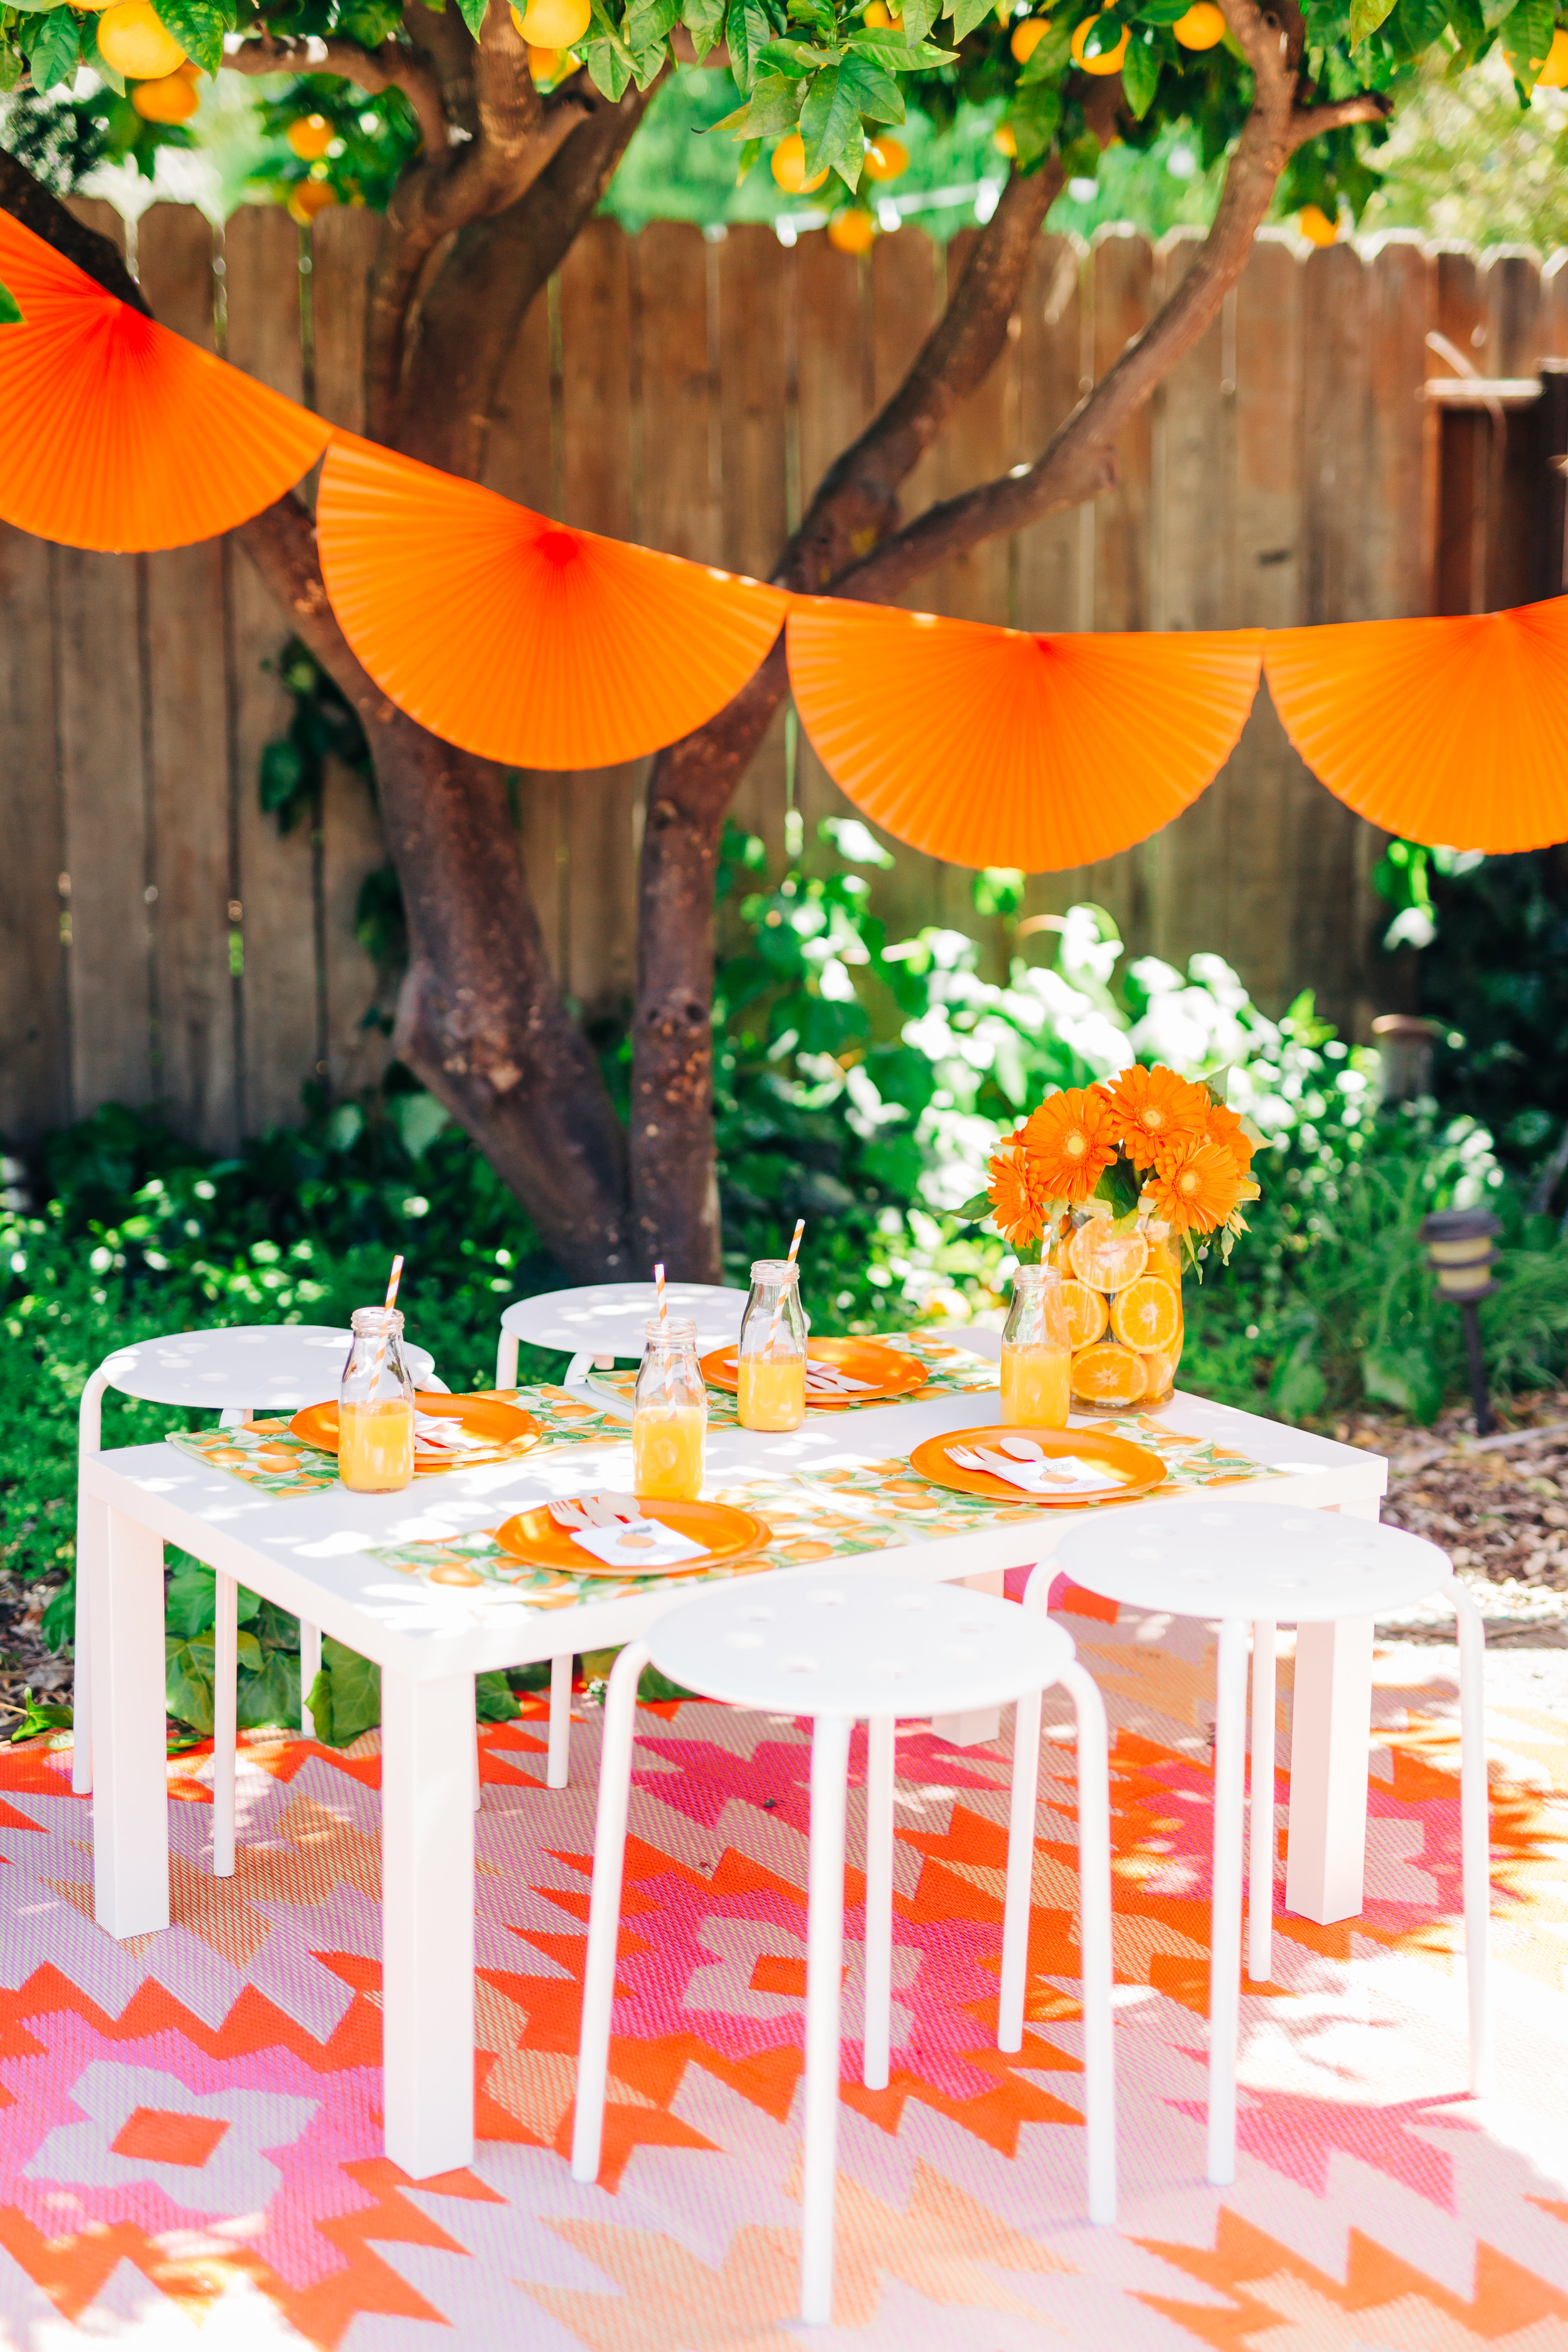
190, 2124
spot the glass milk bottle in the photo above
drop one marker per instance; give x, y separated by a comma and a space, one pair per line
773, 1349
375, 1407
669, 1416
1037, 1351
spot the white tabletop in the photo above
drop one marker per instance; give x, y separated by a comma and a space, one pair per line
308, 1552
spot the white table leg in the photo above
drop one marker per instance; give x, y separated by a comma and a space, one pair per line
605, 1910
1474, 1817
1261, 1857
226, 1729
91, 1538
980, 1724
1225, 1909
876, 2034
1331, 1729
427, 1921
309, 1667
130, 1805
824, 1974
559, 1754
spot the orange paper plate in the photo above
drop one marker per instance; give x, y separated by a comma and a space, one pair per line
117, 434
990, 747
534, 1537
518, 639
503, 1427
1137, 1467
1446, 730
891, 1373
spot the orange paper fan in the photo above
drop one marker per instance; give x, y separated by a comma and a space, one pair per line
989, 747
1446, 730
117, 434
518, 639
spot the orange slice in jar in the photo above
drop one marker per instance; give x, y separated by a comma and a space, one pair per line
1147, 1315
1108, 1375
1105, 1259
1088, 1314
1159, 1374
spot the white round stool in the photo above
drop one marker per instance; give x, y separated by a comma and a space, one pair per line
235, 1370
838, 1649
607, 1319
1266, 1563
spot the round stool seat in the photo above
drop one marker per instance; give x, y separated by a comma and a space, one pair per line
826, 1645
610, 1318
1275, 1560
246, 1364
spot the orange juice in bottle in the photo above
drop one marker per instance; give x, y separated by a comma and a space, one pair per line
773, 1349
669, 1416
1036, 1354
375, 1407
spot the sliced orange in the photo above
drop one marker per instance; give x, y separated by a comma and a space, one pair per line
1088, 1314
1147, 1315
1160, 1374
1104, 1258
1108, 1375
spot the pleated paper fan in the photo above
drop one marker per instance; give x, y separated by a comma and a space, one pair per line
1451, 731
116, 433
517, 638
990, 747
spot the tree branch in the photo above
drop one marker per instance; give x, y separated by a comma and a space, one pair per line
27, 201
390, 66
1310, 121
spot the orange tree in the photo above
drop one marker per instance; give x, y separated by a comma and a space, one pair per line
488, 138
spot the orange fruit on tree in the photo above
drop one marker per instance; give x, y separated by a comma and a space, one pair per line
1087, 1313
553, 24
788, 166
1002, 139
1201, 27
310, 198
169, 100
1028, 36
1315, 225
885, 158
190, 71
1553, 74
883, 19
1104, 1258
1147, 1315
543, 64
1108, 61
1108, 1375
133, 38
852, 231
310, 135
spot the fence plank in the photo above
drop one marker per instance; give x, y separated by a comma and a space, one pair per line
35, 1062
1052, 317
282, 991
342, 247
1510, 293
197, 1058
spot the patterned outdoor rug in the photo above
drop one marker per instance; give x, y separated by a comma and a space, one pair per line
189, 2125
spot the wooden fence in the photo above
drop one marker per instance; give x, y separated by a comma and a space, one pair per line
160, 940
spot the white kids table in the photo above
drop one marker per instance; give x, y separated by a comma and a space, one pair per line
308, 1554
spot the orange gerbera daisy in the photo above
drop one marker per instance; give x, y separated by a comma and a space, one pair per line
1198, 1190
1069, 1141
1018, 1203
1224, 1127
1155, 1109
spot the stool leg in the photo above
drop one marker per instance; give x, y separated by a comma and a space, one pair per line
479, 1790
226, 1669
604, 1909
1475, 1818
1260, 1861
1020, 1872
559, 1721
1095, 1945
309, 1667
824, 1973
505, 1362
1225, 1914
91, 1547
877, 2030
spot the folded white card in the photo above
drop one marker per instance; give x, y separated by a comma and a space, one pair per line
1051, 1473
435, 1431
639, 1544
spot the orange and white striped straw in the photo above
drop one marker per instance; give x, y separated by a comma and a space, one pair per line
783, 1287
663, 1308
396, 1277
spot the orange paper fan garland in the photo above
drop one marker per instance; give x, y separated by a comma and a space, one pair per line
991, 747
516, 637
1451, 731
118, 435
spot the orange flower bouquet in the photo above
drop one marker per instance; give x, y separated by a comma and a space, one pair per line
1119, 1183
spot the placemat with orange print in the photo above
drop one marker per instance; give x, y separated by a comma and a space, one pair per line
263, 1454
949, 1372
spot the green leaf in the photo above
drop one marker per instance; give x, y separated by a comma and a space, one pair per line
473, 12
1469, 27
774, 106
795, 58
899, 55
830, 119
493, 1701
1525, 40
271, 1695
10, 315
919, 17
53, 44
1140, 76
39, 1715
1050, 57
748, 156
977, 1206
188, 1681
1034, 118
1420, 23
199, 28
609, 70
704, 20
749, 33
354, 1702
967, 14
1366, 15
1404, 1378
1160, 12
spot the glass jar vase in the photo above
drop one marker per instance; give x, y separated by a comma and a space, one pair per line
669, 1415
772, 1357
1035, 1352
1122, 1287
375, 1407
